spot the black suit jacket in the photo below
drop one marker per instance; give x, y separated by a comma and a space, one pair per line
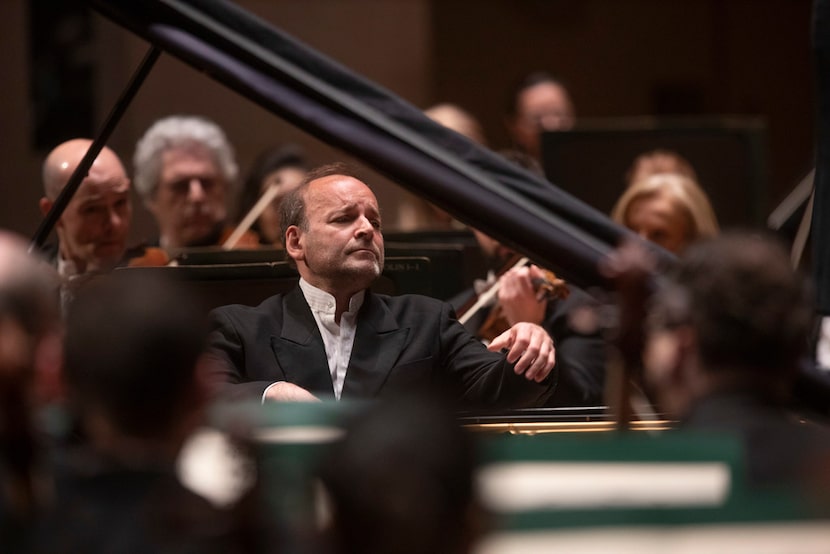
401, 343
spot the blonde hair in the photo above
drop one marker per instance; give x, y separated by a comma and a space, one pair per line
684, 192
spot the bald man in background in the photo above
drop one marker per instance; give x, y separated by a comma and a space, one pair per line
92, 231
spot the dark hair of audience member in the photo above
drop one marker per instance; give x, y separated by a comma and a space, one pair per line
750, 309
402, 481
132, 346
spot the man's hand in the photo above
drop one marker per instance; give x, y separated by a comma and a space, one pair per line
518, 297
531, 346
283, 391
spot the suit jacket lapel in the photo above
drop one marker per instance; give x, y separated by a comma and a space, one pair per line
377, 345
299, 348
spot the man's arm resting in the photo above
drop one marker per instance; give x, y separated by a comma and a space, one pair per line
283, 391
530, 348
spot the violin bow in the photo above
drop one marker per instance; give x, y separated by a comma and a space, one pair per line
267, 197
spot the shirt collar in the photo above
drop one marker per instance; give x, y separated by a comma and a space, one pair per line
66, 268
321, 301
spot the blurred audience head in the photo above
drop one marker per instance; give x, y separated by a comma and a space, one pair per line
186, 173
30, 341
733, 315
539, 102
402, 481
668, 209
93, 229
30, 353
134, 364
283, 167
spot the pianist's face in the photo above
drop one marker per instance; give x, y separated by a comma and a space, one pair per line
341, 248
190, 200
94, 227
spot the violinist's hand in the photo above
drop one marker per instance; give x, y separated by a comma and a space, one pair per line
283, 391
517, 295
531, 346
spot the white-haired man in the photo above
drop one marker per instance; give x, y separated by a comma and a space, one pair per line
185, 172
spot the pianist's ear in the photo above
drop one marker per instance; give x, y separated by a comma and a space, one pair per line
294, 243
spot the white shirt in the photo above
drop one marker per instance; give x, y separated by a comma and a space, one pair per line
66, 268
338, 339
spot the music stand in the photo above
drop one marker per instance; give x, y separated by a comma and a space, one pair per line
728, 155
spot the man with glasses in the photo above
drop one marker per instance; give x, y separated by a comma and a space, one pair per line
185, 172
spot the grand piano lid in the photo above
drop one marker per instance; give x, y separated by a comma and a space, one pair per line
345, 110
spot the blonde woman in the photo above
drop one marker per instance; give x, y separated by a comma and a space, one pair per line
668, 209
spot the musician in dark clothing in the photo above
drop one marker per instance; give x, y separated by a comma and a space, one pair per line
725, 339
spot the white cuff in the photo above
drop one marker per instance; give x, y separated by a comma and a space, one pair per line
262, 400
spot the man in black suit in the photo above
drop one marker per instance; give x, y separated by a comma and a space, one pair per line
331, 336
724, 343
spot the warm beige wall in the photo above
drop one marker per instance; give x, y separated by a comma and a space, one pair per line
385, 40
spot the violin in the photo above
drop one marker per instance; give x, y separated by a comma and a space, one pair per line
239, 238
147, 256
153, 256
547, 288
